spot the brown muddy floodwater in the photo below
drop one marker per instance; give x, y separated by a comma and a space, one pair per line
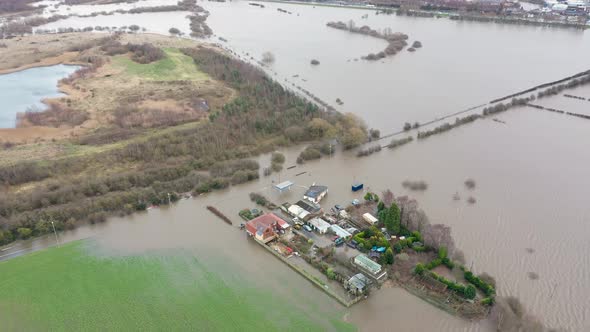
531, 171
531, 192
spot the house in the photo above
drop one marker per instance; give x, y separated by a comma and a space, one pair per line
309, 206
357, 283
341, 232
370, 218
298, 212
319, 225
266, 227
369, 266
315, 193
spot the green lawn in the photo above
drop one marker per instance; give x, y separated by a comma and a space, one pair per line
66, 288
176, 66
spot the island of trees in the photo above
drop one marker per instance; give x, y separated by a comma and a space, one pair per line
396, 40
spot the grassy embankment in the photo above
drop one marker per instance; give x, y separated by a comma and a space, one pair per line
67, 288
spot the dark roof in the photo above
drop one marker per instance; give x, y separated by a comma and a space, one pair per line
308, 206
315, 191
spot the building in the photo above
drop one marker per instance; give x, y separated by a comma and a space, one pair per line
370, 218
309, 206
357, 283
319, 225
340, 232
315, 193
266, 227
283, 186
370, 267
298, 212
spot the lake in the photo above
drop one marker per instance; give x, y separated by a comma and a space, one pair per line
530, 168
26, 89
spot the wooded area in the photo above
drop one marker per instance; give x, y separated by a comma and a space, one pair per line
207, 156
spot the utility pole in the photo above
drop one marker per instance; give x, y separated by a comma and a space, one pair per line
54, 232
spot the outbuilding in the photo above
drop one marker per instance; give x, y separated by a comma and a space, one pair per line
370, 218
340, 232
315, 193
319, 225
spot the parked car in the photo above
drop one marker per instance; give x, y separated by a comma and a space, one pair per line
307, 228
297, 226
334, 238
339, 241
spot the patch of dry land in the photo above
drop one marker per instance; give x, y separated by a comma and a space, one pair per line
113, 94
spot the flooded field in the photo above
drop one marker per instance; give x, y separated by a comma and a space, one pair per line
26, 89
530, 167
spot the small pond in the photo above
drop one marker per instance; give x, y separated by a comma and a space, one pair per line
26, 89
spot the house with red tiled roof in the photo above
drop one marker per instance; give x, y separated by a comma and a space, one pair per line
266, 227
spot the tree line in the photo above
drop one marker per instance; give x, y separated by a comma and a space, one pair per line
200, 158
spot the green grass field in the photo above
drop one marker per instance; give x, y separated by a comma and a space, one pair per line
176, 66
67, 289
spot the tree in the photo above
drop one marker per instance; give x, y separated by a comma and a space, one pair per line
391, 218
380, 206
174, 31
389, 256
24, 233
469, 292
134, 28
442, 252
278, 157
368, 196
268, 57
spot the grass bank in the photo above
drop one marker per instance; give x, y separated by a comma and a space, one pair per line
66, 288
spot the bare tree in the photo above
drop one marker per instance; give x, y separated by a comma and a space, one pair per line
268, 57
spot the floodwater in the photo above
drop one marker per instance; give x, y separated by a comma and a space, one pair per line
26, 89
530, 169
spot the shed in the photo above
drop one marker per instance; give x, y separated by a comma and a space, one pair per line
341, 232
357, 283
309, 206
370, 218
283, 186
320, 225
298, 211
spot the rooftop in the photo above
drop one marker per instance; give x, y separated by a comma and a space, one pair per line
365, 262
315, 191
283, 185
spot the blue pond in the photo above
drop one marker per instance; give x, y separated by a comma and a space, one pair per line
24, 89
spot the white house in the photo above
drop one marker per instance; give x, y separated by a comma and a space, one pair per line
315, 193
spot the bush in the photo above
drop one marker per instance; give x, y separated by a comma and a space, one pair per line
419, 269
469, 292
442, 252
24, 233
487, 289
278, 158
417, 236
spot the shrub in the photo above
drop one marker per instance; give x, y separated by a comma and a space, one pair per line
419, 269
469, 292
417, 236
24, 233
442, 252
278, 157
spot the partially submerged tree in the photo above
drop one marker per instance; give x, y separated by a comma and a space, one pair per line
268, 57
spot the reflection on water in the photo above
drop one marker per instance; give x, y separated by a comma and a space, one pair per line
24, 89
